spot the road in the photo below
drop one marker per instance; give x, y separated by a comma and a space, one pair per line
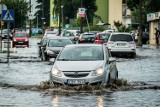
22, 82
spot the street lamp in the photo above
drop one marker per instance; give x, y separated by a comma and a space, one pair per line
62, 15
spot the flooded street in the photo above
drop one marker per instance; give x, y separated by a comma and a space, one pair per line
22, 82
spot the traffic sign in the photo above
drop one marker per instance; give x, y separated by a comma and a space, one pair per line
8, 15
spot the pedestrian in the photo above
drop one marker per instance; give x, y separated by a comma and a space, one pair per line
156, 32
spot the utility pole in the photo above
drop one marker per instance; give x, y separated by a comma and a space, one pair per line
59, 4
81, 20
30, 20
43, 15
1, 26
140, 25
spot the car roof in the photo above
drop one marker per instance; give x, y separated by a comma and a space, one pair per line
121, 33
77, 45
58, 37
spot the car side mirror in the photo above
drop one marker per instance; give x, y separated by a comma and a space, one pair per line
38, 43
111, 59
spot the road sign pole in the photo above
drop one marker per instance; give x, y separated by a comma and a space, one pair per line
8, 42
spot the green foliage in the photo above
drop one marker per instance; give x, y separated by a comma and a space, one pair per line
46, 10
120, 27
20, 8
71, 7
97, 28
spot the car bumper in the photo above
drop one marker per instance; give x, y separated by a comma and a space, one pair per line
20, 43
89, 80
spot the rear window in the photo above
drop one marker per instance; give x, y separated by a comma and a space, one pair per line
121, 37
88, 35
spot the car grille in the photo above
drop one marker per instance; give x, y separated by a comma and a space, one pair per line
76, 74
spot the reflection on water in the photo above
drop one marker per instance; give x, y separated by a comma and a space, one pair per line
100, 101
55, 101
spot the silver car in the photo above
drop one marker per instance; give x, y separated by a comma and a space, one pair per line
121, 44
89, 64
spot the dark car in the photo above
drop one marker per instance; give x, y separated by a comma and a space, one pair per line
20, 39
86, 38
41, 44
101, 38
53, 46
5, 33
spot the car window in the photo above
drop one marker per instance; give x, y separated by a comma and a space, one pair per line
59, 42
81, 53
104, 37
121, 37
88, 35
20, 35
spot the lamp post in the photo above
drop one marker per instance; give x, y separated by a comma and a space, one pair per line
62, 16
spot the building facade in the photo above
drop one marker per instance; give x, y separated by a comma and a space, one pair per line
109, 11
154, 22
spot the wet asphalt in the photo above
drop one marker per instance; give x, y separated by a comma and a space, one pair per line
24, 82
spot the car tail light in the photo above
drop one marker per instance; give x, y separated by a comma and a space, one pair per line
82, 40
110, 42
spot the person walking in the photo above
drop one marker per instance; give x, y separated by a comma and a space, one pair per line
157, 36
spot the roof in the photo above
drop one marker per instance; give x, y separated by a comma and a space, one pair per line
77, 45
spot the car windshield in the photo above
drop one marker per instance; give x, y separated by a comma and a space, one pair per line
59, 42
20, 35
68, 34
44, 41
121, 37
87, 35
81, 53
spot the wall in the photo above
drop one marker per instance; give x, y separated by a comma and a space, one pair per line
115, 11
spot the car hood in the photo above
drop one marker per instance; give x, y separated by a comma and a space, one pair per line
78, 65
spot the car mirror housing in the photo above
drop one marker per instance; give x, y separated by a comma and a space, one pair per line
111, 59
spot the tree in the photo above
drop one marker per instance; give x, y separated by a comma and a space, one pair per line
20, 8
45, 10
71, 8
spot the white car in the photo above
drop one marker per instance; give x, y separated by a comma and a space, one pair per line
89, 64
50, 33
121, 44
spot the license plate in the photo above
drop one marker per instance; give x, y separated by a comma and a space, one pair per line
121, 44
20, 42
75, 81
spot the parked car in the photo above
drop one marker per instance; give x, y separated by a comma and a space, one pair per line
70, 35
86, 38
53, 46
20, 39
102, 38
5, 33
75, 32
121, 44
89, 64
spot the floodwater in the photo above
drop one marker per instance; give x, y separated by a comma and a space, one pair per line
24, 82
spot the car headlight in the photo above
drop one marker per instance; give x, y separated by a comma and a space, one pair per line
99, 71
56, 72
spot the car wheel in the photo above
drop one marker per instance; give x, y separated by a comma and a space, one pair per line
133, 55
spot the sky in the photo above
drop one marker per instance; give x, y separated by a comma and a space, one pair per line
34, 3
